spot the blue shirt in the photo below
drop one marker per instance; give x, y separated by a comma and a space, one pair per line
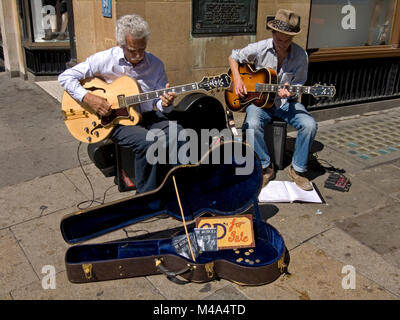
111, 64
263, 55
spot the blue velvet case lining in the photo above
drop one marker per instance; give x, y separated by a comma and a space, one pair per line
267, 250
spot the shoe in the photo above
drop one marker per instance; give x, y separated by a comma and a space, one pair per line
268, 175
49, 35
62, 36
301, 181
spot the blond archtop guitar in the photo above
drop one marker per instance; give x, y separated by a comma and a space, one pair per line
262, 86
124, 95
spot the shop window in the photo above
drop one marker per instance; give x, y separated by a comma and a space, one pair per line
350, 23
49, 20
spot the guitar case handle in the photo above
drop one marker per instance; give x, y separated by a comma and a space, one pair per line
172, 275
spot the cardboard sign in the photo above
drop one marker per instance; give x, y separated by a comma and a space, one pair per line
232, 232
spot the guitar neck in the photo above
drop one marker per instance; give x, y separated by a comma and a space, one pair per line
151, 95
261, 87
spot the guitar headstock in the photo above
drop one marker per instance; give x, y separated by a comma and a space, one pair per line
319, 90
209, 83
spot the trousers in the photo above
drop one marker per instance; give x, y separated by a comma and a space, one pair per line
295, 114
148, 175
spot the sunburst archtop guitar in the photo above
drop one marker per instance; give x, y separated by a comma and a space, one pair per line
262, 86
124, 95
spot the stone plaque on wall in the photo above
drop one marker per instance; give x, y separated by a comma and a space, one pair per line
223, 17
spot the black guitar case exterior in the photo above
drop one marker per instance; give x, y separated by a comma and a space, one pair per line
226, 181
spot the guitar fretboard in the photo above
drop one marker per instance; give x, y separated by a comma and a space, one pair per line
261, 87
147, 96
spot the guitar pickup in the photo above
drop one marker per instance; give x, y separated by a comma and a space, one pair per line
259, 87
121, 101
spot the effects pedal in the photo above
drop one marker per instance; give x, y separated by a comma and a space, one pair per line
337, 181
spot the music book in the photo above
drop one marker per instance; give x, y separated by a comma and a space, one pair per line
287, 191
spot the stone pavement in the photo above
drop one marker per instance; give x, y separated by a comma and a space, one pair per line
41, 182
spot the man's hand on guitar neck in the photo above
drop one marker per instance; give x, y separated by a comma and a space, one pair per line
167, 98
98, 104
284, 93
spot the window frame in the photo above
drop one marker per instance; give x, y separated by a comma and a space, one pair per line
28, 38
360, 52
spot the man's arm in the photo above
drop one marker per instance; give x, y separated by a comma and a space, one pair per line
70, 81
240, 87
247, 54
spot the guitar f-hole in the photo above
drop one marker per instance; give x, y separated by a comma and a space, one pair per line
95, 88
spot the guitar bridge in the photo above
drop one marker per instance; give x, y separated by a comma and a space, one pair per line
96, 127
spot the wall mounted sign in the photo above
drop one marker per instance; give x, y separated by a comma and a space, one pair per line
224, 17
106, 8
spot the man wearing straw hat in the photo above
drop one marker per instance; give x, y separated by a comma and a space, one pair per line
291, 63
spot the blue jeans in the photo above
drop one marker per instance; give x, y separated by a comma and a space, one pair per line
295, 114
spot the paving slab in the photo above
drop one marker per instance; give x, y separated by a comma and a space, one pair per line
34, 198
349, 251
383, 238
6, 297
227, 293
126, 289
190, 291
15, 268
101, 185
7, 135
316, 275
385, 178
42, 241
53, 88
11, 173
393, 257
34, 140
372, 140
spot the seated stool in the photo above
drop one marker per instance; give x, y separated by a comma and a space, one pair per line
114, 160
275, 138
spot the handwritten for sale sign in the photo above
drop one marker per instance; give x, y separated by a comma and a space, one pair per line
232, 232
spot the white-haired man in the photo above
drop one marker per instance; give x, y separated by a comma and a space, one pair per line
128, 58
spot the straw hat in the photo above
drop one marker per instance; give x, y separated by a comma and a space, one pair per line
286, 21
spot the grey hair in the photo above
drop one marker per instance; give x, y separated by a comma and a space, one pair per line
132, 24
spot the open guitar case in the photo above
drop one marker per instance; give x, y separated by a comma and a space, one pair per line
220, 184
